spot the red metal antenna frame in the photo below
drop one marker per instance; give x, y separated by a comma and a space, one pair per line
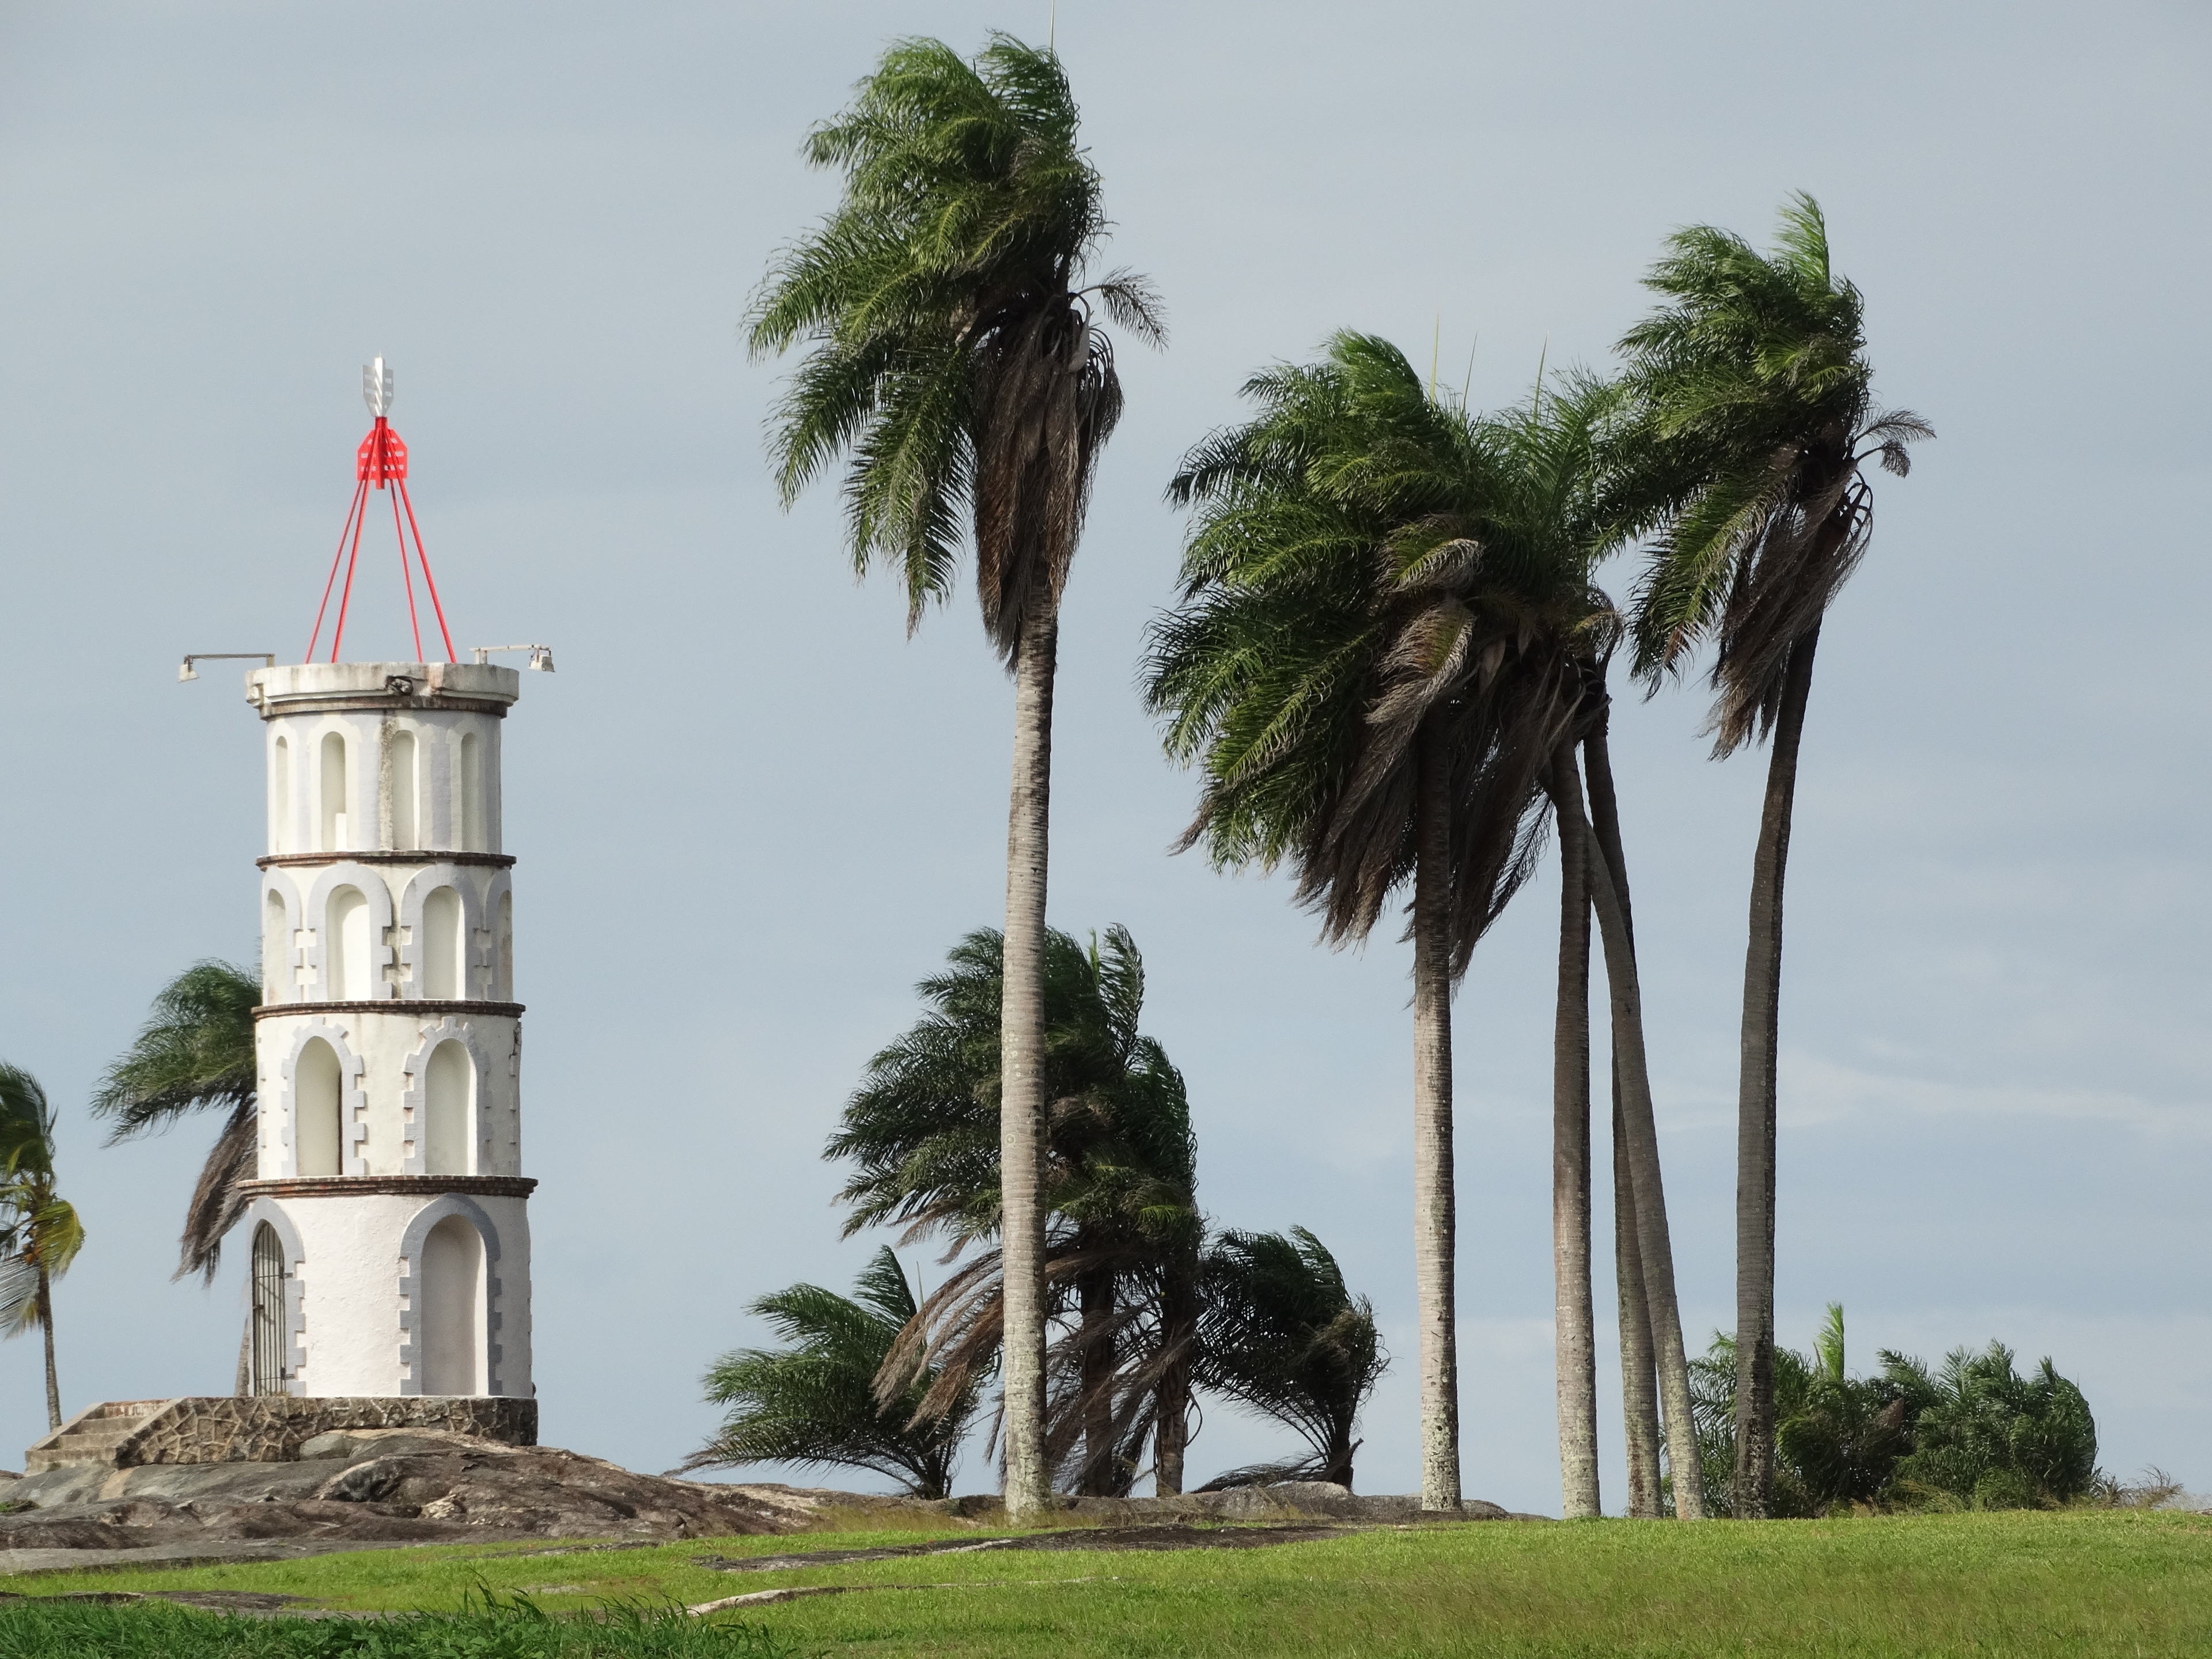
381, 458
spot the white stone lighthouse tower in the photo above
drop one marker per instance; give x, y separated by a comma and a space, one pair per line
390, 1242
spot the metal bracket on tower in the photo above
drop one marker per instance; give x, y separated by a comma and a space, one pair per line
266, 659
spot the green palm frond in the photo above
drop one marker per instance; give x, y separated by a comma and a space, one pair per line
952, 354
1119, 1189
1365, 563
1745, 425
812, 1402
40, 1233
195, 1052
1282, 1335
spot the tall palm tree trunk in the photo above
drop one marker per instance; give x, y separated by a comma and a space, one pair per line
46, 1324
1639, 1388
1653, 1245
1021, 1078
1434, 1223
245, 1344
1574, 1321
1755, 1103
1639, 1382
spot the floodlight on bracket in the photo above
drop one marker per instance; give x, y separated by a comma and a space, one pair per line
541, 656
266, 659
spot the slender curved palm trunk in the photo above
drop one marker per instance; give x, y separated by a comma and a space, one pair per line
1434, 1232
46, 1324
1574, 1321
1639, 1380
1021, 1075
1639, 1388
1653, 1245
1755, 1104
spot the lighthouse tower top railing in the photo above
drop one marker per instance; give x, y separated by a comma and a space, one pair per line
331, 687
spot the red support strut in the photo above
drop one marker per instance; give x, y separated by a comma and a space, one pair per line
381, 459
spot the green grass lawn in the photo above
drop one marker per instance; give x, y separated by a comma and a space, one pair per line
2078, 1584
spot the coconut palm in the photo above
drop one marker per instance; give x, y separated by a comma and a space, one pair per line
1119, 1182
1368, 672
1747, 457
1282, 1335
954, 353
40, 1232
814, 1404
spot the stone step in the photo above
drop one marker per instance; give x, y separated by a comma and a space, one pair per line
93, 1436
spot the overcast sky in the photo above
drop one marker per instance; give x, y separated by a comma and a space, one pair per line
750, 814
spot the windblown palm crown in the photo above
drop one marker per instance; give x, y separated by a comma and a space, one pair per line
1754, 424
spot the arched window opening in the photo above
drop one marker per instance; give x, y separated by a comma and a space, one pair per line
445, 972
276, 950
447, 1086
504, 972
346, 945
270, 1374
450, 1336
280, 799
335, 819
317, 1091
404, 835
472, 793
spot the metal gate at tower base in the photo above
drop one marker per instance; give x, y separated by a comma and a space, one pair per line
269, 1376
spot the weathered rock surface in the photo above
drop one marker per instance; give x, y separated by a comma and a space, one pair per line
417, 1487
366, 1489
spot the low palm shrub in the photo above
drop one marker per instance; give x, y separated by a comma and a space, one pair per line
1972, 1434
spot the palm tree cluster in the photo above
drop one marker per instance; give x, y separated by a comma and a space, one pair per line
1972, 1433
1141, 1309
1388, 663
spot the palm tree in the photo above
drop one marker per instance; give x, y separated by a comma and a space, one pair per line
1119, 1189
1753, 424
1371, 679
955, 355
1283, 1336
1552, 503
195, 1052
814, 1402
40, 1232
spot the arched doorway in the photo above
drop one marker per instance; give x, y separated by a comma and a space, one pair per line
452, 1333
269, 1373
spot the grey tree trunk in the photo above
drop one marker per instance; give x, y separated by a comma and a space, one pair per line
1434, 1223
1021, 1076
245, 1344
1574, 1321
1639, 1389
1755, 1104
1639, 1382
1653, 1245
46, 1323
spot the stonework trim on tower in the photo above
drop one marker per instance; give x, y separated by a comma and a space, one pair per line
410, 1299
352, 1100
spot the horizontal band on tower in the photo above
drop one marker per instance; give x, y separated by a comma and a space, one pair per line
389, 1005
388, 1186
356, 703
500, 860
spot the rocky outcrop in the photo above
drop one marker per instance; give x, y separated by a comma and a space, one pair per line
359, 1486
263, 1429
